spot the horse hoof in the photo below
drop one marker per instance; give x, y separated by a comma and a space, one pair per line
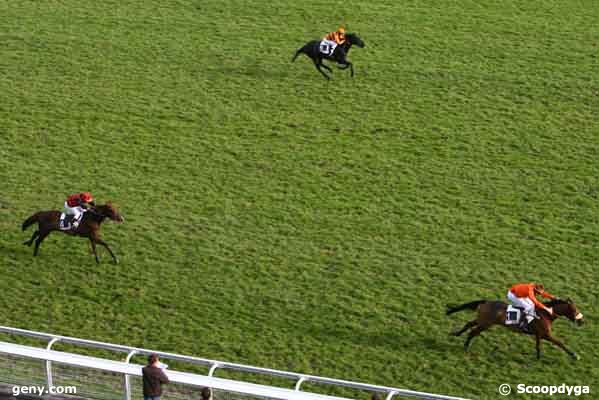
115, 261
575, 357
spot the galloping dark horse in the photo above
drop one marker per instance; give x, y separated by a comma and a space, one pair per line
339, 55
89, 227
494, 313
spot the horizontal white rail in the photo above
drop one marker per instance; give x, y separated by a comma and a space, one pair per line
174, 376
126, 369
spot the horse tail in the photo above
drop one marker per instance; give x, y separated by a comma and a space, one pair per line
297, 53
473, 305
30, 221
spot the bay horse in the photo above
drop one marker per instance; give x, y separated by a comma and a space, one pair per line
339, 55
89, 227
491, 313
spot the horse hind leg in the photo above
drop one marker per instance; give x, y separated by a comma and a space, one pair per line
473, 333
468, 325
40, 238
318, 65
30, 241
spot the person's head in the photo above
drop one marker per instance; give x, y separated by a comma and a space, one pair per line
152, 359
539, 288
341, 32
206, 393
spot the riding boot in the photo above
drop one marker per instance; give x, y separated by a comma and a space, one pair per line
525, 322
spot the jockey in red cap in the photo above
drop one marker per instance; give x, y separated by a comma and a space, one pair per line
78, 203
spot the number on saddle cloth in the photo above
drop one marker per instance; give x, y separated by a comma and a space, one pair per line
513, 315
64, 223
327, 47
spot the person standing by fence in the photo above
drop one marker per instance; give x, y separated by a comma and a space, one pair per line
206, 394
153, 378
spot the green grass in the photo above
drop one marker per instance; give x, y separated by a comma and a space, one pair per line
283, 221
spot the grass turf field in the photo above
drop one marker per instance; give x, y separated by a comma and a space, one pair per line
280, 220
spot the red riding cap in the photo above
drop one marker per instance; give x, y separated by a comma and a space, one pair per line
86, 197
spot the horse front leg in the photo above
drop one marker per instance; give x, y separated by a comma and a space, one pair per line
345, 65
538, 338
562, 346
103, 243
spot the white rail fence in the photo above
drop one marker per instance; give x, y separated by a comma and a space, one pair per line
128, 371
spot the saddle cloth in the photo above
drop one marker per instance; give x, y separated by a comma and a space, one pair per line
67, 221
327, 47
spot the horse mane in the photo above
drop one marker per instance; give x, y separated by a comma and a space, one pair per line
102, 209
555, 302
353, 38
108, 204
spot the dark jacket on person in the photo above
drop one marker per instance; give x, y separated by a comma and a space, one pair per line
153, 378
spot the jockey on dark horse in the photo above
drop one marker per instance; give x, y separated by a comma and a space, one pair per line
334, 50
75, 205
524, 295
332, 40
338, 36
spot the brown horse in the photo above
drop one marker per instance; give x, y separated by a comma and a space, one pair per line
89, 227
494, 313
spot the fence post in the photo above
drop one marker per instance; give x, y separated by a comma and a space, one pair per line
390, 395
212, 369
299, 382
127, 382
49, 380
